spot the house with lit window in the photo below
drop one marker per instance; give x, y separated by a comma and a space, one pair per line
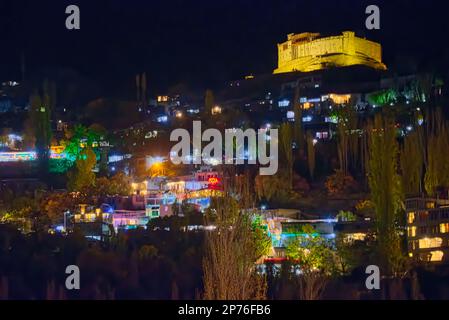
94, 223
427, 222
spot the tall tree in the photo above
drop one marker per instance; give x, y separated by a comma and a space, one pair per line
231, 253
386, 194
310, 154
348, 143
437, 153
40, 121
138, 88
298, 129
411, 164
286, 155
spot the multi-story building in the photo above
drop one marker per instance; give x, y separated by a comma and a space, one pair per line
428, 229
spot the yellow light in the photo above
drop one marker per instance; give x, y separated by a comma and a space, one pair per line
340, 98
436, 255
411, 217
411, 231
162, 98
216, 110
430, 242
444, 227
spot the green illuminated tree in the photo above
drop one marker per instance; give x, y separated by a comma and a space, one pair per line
315, 257
82, 176
262, 240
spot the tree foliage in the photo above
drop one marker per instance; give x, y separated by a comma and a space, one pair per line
286, 154
340, 183
228, 265
412, 161
316, 260
82, 176
386, 192
310, 154
437, 166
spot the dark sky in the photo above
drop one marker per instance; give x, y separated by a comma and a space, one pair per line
203, 43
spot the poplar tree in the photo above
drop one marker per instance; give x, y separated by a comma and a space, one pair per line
298, 129
411, 164
40, 121
385, 186
286, 155
310, 154
437, 153
348, 144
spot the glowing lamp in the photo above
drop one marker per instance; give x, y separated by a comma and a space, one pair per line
213, 180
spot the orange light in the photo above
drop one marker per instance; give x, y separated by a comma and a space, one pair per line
213, 180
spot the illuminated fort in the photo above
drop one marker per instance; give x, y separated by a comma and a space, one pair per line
309, 51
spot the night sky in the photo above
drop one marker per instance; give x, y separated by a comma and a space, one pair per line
203, 43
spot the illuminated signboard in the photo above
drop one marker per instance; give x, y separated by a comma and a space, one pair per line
56, 152
17, 156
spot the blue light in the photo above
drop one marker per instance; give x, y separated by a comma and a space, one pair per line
307, 119
162, 119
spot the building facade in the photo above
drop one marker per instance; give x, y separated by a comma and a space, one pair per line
307, 52
428, 229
